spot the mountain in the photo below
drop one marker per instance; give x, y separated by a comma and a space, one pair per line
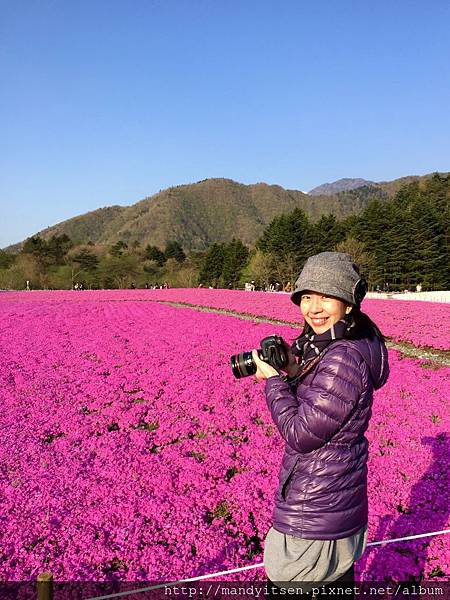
341, 185
213, 210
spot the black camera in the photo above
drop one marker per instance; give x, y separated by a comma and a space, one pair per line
272, 351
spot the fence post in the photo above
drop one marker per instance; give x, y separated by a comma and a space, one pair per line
45, 586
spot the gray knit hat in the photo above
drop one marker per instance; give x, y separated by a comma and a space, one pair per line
331, 273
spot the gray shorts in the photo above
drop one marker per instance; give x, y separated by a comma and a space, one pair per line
289, 558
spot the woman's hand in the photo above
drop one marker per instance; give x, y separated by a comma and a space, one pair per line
264, 370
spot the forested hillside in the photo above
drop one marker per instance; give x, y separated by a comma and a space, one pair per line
399, 243
212, 211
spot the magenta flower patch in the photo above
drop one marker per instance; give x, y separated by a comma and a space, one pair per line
419, 323
129, 451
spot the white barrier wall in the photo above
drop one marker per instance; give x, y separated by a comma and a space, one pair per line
443, 296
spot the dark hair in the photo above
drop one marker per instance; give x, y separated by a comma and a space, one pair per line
362, 326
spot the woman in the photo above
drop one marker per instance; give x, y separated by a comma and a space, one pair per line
322, 410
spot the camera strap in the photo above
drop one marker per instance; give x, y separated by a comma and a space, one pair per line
310, 365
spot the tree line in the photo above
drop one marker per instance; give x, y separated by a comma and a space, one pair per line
398, 243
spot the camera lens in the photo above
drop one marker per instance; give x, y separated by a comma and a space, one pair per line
243, 365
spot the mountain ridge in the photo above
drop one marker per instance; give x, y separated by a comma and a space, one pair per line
340, 185
212, 210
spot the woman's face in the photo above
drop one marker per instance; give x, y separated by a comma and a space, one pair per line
321, 311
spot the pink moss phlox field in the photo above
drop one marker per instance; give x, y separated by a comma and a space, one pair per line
129, 451
423, 324
420, 323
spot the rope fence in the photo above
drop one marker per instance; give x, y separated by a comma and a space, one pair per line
45, 580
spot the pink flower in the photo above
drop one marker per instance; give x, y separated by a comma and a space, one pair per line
128, 449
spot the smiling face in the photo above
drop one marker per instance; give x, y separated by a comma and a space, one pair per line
321, 311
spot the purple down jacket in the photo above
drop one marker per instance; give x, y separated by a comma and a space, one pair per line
322, 491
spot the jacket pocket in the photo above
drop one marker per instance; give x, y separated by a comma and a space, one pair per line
287, 481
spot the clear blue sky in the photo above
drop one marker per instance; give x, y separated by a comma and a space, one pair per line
105, 102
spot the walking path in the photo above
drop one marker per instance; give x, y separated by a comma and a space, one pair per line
435, 358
